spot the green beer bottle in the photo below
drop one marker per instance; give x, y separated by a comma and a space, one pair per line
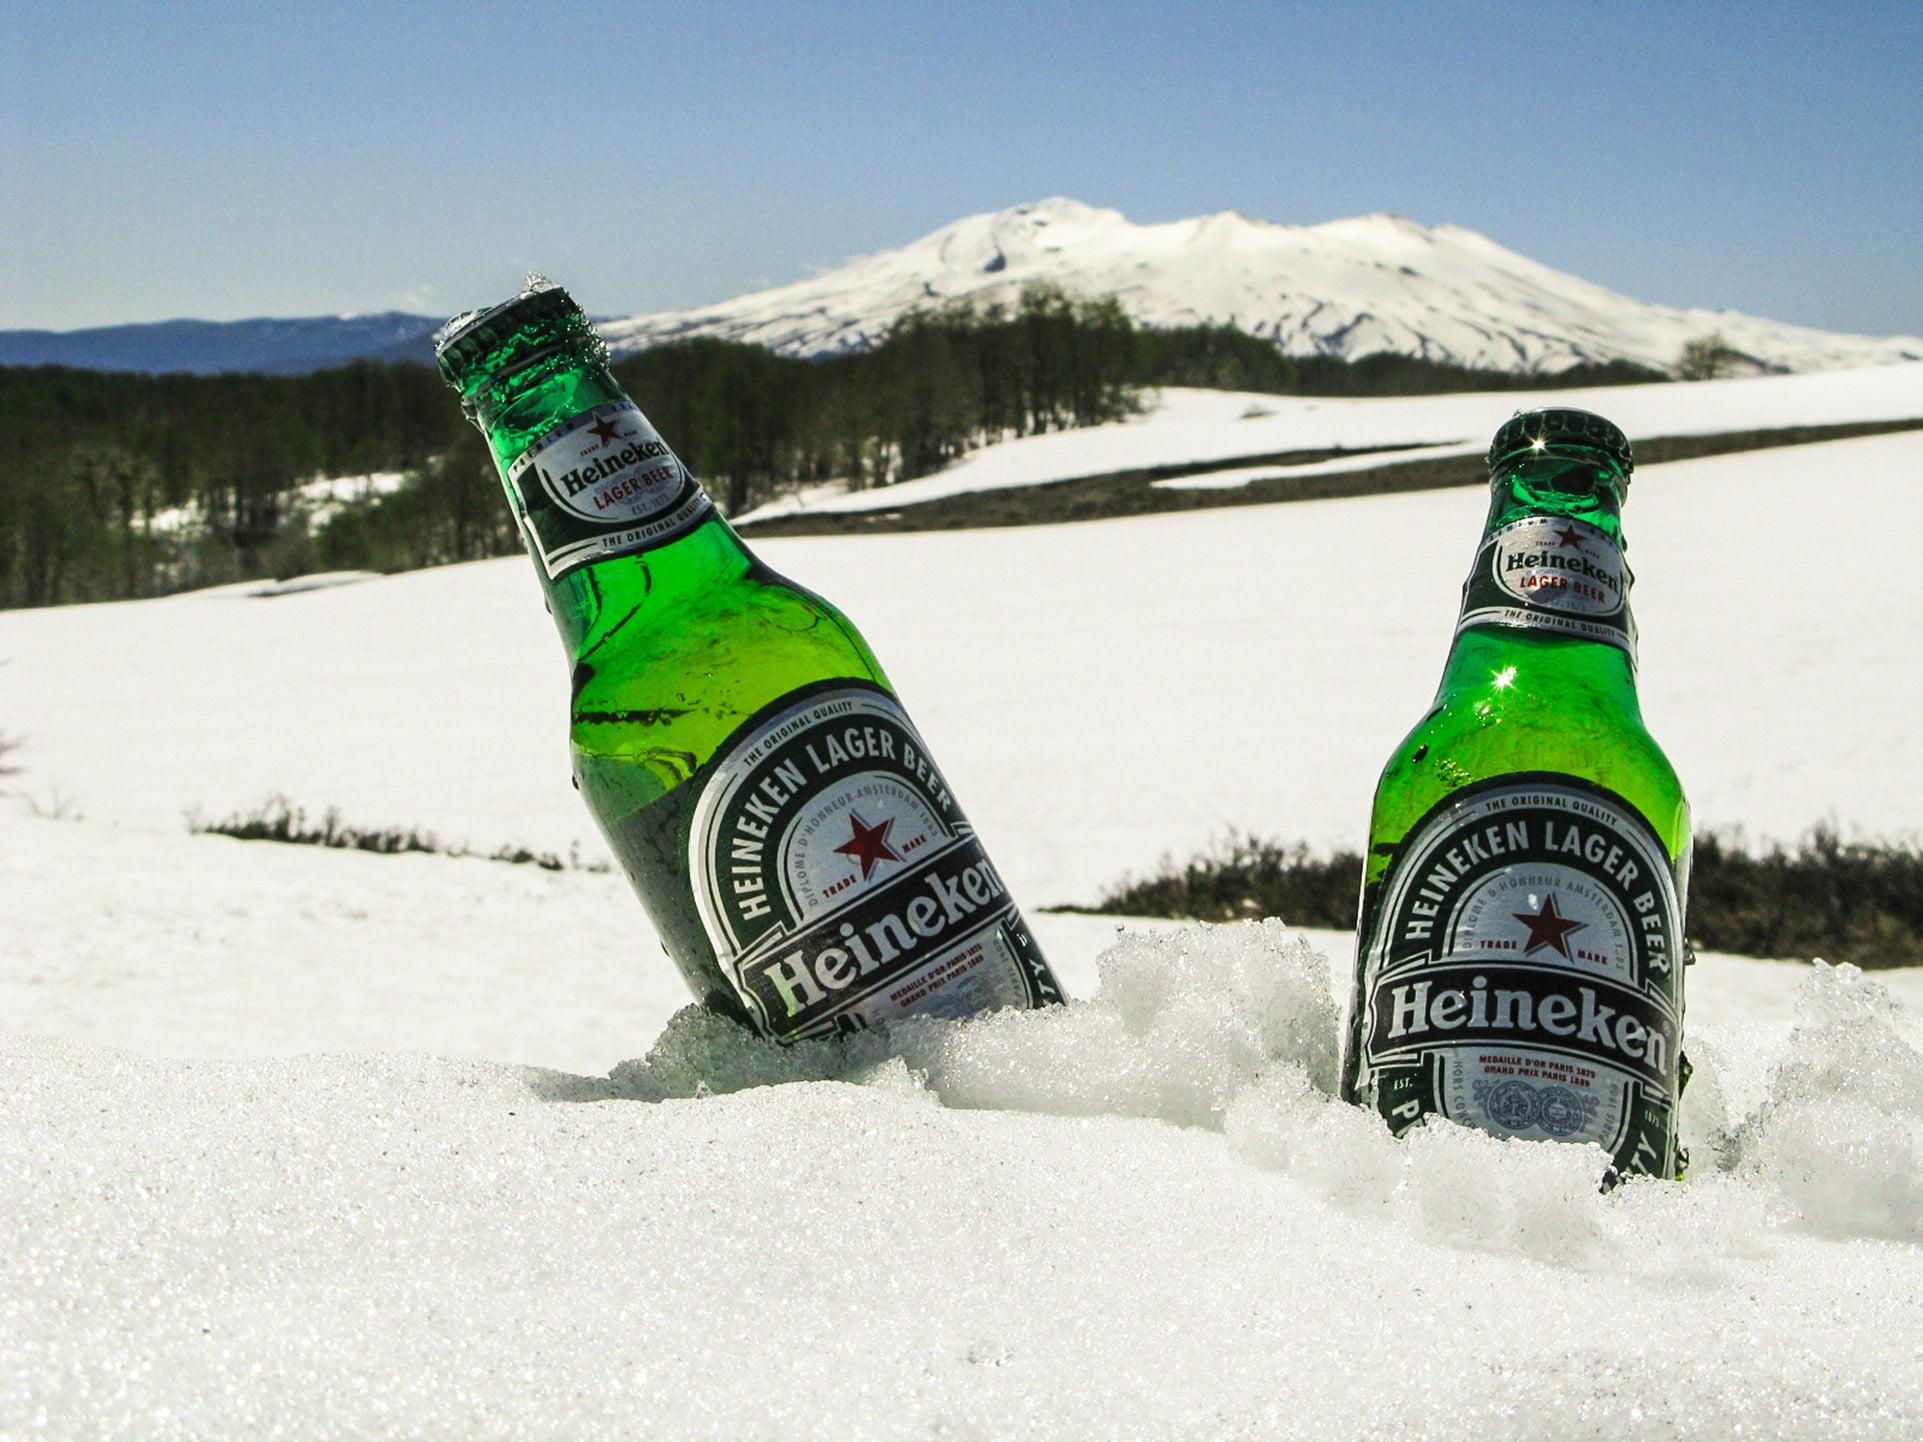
798, 851
1520, 945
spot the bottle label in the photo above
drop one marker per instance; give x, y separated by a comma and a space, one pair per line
1551, 573
1522, 972
602, 484
839, 883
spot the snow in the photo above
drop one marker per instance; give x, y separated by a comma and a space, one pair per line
1244, 668
1235, 478
317, 501
185, 945
339, 1145
1347, 288
326, 497
1138, 1216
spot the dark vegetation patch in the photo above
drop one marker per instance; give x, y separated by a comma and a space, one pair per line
278, 819
115, 486
120, 485
1857, 901
1242, 878
1134, 493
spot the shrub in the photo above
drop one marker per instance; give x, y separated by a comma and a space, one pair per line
278, 819
1858, 901
1243, 877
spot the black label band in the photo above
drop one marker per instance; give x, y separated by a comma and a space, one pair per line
839, 882
856, 952
1544, 1008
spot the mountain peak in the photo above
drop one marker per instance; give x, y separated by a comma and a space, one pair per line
1060, 207
1369, 283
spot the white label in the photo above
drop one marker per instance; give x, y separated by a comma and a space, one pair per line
1561, 565
1555, 574
603, 484
606, 465
1521, 973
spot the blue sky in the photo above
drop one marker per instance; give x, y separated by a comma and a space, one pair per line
226, 160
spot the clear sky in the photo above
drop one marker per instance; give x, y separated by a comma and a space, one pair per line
221, 160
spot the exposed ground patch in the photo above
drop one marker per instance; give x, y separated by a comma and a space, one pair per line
1134, 492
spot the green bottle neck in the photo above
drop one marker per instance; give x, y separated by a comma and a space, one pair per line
536, 382
1495, 665
1569, 482
516, 409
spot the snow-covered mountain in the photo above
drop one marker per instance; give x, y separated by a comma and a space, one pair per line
1348, 288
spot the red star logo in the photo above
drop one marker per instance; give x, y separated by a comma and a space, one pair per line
1546, 928
869, 845
1570, 536
604, 428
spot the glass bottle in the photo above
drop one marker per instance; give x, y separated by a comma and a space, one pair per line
801, 856
1520, 944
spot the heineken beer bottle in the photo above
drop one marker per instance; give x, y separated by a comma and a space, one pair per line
1520, 946
800, 854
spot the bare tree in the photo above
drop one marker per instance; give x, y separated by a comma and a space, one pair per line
1707, 357
8, 745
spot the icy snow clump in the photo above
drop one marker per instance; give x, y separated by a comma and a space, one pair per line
1234, 1029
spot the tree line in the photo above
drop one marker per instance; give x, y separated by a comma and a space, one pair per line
122, 485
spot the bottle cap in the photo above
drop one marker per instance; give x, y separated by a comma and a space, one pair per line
1539, 430
539, 318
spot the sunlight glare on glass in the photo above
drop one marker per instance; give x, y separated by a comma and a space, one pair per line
1504, 679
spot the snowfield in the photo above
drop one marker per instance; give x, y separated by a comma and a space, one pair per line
1098, 693
334, 1145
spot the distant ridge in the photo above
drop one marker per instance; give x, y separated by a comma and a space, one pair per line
1348, 288
206, 347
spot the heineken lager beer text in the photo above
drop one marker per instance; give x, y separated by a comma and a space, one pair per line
799, 852
1520, 948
